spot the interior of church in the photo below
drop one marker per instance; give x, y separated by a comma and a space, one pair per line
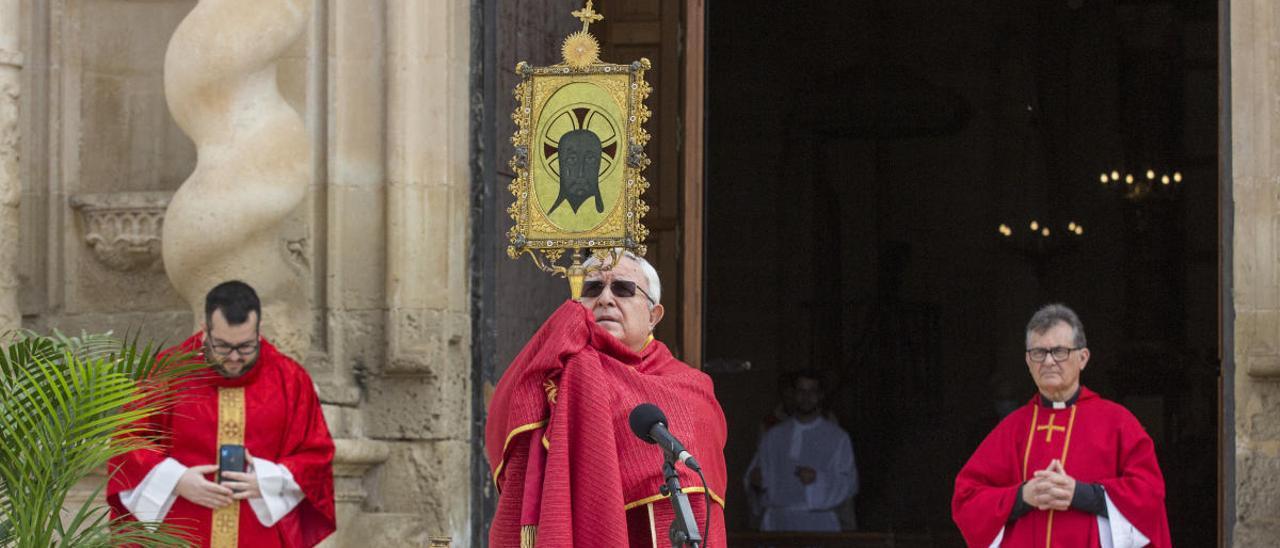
893, 188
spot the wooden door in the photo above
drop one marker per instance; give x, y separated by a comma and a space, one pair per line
655, 29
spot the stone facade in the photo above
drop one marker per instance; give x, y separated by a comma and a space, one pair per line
10, 188
1255, 163
317, 149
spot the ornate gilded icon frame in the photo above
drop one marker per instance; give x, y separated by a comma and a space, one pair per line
567, 112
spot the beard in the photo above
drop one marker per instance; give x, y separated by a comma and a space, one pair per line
218, 365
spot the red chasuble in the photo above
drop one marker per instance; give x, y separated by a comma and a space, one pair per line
1097, 441
282, 424
563, 455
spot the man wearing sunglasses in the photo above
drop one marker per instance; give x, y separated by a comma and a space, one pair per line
1069, 468
251, 405
568, 469
620, 303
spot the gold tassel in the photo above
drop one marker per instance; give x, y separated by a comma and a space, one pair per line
528, 536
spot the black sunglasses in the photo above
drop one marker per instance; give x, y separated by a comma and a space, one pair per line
621, 289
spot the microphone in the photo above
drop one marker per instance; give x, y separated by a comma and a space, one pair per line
650, 425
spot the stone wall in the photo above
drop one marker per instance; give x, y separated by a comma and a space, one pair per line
419, 396
1255, 144
104, 154
10, 189
369, 273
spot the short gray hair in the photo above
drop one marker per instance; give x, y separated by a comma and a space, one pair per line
1053, 314
650, 273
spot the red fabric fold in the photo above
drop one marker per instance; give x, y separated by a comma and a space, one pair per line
284, 424
531, 502
594, 465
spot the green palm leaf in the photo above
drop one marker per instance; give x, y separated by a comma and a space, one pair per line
67, 406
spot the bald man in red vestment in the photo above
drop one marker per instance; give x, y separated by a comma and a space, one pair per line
1069, 468
253, 396
568, 469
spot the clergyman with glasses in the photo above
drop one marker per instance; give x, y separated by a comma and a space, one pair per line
568, 469
1069, 468
253, 410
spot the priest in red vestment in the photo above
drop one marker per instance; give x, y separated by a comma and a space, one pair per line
1068, 469
250, 395
568, 469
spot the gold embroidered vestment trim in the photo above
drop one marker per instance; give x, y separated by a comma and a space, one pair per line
226, 520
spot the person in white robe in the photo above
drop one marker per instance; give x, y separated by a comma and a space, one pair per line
804, 470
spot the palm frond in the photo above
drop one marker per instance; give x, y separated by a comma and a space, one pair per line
91, 525
67, 406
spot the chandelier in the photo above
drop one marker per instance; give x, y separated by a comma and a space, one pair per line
1040, 240
1142, 186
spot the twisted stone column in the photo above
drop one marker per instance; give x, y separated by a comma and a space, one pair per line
254, 158
10, 185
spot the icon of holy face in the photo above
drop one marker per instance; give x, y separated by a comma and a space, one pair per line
579, 170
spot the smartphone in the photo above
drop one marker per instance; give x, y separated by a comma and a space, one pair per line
230, 459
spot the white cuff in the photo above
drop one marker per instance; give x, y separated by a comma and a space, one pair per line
151, 500
1115, 531
280, 493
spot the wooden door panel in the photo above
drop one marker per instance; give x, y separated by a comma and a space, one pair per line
651, 28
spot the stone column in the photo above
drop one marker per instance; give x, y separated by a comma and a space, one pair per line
420, 395
10, 185
1255, 146
254, 158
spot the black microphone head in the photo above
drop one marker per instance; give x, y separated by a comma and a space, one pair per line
642, 419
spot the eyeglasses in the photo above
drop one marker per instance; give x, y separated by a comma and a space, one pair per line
1059, 353
622, 289
224, 349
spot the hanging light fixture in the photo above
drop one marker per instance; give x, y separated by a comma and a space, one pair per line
1039, 238
1142, 186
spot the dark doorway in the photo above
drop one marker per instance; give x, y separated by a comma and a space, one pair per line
873, 172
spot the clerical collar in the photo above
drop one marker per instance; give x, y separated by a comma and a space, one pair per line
1046, 402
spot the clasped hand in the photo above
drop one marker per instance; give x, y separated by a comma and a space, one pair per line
806, 474
1050, 489
235, 486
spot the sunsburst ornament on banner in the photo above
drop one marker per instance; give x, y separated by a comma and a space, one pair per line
581, 49
579, 158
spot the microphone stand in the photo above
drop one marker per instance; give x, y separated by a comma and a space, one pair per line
684, 528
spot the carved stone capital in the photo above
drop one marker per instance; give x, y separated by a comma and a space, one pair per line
352, 459
123, 228
1263, 368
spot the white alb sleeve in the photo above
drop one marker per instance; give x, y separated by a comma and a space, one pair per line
1115, 531
836, 481
280, 493
151, 500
